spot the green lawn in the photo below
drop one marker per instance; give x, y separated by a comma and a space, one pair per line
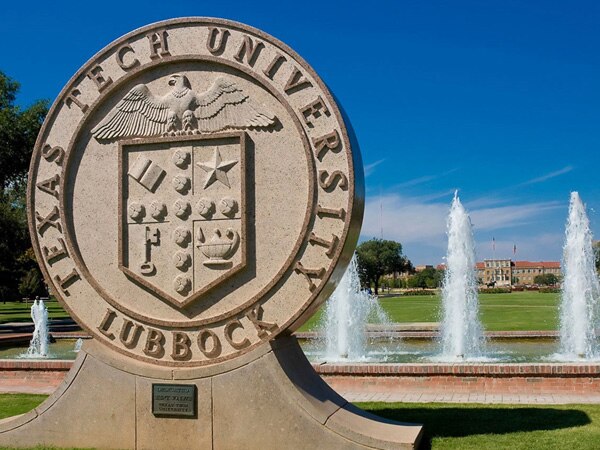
499, 312
21, 311
515, 311
514, 427
15, 404
459, 426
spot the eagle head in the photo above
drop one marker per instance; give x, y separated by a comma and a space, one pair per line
179, 81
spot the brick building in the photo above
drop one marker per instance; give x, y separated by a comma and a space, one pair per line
505, 272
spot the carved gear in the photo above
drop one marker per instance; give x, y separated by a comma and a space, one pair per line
181, 236
181, 284
157, 209
180, 158
181, 183
136, 211
181, 111
181, 208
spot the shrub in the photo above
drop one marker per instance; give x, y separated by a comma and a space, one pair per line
418, 292
496, 291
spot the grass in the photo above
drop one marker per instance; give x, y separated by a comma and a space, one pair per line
515, 427
457, 426
21, 311
499, 312
15, 404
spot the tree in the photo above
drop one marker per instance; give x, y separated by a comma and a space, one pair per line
378, 257
18, 131
429, 278
596, 247
546, 279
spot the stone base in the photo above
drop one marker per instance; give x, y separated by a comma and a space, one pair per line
269, 398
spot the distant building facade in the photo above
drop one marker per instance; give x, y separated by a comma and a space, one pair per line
505, 272
495, 271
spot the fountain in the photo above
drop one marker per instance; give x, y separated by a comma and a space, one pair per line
460, 329
460, 361
38, 347
345, 319
580, 288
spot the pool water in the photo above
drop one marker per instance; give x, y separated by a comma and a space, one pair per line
426, 351
378, 350
61, 349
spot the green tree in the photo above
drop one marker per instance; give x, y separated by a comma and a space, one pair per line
18, 130
596, 247
429, 278
378, 257
546, 279
32, 282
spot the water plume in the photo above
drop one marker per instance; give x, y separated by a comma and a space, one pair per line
580, 289
461, 334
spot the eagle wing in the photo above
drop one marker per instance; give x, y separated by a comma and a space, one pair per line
139, 113
225, 106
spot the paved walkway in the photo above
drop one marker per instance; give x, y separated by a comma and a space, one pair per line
26, 387
449, 397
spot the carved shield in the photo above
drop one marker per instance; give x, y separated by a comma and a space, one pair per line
182, 213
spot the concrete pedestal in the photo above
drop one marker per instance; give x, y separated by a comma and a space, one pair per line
270, 398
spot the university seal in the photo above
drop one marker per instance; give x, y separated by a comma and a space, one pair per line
193, 193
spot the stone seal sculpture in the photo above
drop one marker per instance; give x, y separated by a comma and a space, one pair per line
194, 195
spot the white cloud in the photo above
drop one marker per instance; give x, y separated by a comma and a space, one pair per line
416, 181
542, 247
509, 216
423, 179
420, 224
370, 168
548, 176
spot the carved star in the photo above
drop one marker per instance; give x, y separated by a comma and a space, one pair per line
217, 169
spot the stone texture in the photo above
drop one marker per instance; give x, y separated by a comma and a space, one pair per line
233, 201
172, 433
296, 409
96, 409
210, 198
275, 401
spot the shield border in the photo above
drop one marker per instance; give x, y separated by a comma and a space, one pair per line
122, 218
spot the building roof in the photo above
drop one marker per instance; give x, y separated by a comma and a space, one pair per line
538, 264
480, 265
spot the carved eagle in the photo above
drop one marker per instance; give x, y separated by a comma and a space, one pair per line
182, 111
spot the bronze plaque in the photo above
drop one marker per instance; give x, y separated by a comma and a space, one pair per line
174, 400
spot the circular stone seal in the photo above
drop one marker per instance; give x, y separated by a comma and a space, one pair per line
177, 114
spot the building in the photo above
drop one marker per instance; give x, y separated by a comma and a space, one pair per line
505, 272
524, 272
496, 272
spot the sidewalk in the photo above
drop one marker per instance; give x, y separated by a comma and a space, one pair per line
449, 397
29, 387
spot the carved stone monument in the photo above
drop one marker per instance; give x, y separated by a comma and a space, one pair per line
194, 195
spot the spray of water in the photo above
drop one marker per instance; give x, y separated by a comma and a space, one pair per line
580, 288
461, 331
346, 315
38, 347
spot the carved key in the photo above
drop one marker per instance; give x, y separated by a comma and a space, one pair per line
152, 238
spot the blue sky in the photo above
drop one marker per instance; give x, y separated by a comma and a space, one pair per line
499, 99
